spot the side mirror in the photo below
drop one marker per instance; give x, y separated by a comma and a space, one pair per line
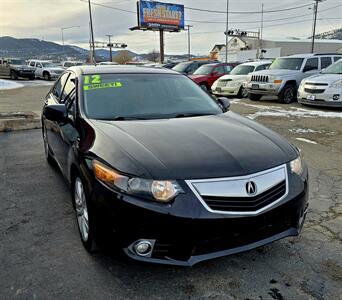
224, 103
56, 112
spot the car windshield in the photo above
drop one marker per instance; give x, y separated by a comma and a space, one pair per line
144, 96
242, 70
204, 70
181, 67
287, 63
17, 62
335, 68
49, 65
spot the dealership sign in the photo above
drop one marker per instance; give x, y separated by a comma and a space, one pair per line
158, 15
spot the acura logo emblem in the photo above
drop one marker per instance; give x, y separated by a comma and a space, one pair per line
251, 188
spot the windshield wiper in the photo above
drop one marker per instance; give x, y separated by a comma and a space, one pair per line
122, 118
188, 115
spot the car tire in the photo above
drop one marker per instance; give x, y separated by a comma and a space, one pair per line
32, 77
288, 94
47, 151
254, 97
243, 93
204, 87
14, 75
83, 213
47, 76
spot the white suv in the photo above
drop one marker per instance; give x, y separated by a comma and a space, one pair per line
45, 69
323, 89
232, 84
285, 74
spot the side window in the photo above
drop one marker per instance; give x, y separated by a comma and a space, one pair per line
58, 88
69, 87
220, 70
32, 63
227, 68
192, 68
261, 67
39, 65
325, 62
311, 64
70, 101
337, 58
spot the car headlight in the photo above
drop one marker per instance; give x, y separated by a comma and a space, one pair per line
297, 166
160, 190
336, 84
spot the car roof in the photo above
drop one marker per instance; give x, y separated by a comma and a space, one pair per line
119, 69
257, 63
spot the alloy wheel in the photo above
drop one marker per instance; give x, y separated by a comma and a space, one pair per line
244, 93
81, 209
289, 95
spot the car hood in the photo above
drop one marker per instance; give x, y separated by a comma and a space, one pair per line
58, 69
234, 77
281, 72
198, 78
324, 78
187, 148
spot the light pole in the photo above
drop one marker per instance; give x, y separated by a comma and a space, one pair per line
227, 32
64, 28
189, 41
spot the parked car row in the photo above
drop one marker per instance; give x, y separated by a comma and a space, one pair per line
19, 68
314, 79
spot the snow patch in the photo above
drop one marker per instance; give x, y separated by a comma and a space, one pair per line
276, 111
304, 130
9, 85
306, 141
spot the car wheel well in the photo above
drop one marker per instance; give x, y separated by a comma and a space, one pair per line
291, 82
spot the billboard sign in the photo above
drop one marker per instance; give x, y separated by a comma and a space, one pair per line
160, 15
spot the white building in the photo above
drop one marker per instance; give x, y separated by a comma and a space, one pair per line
244, 48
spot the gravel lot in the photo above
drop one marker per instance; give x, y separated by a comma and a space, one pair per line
41, 255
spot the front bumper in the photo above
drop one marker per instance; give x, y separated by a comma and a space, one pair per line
322, 99
226, 90
261, 88
25, 74
185, 233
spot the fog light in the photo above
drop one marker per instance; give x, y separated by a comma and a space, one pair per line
143, 248
336, 97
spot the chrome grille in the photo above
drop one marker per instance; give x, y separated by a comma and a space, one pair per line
230, 195
246, 203
223, 82
260, 78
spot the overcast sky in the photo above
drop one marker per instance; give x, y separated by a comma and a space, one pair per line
44, 19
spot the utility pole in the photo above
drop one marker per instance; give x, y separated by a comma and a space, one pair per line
161, 38
226, 60
92, 57
189, 42
110, 45
314, 25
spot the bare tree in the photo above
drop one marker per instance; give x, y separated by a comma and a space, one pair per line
123, 57
153, 56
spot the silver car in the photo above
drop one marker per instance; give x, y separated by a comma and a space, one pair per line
324, 89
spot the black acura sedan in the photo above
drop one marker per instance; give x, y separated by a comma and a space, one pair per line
165, 170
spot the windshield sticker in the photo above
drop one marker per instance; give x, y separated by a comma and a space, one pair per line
93, 79
102, 86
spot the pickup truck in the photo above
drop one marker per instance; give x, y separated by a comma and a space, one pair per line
15, 68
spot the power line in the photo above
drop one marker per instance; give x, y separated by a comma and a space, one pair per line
247, 12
